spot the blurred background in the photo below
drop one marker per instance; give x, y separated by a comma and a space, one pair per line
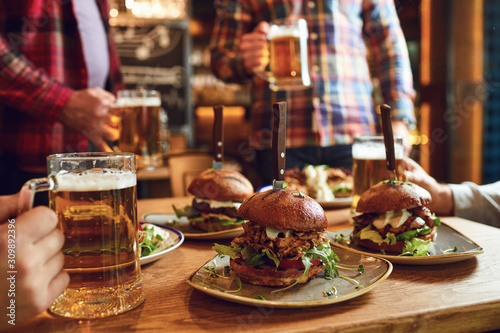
454, 48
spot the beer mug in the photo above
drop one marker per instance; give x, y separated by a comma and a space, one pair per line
288, 67
95, 198
369, 164
140, 125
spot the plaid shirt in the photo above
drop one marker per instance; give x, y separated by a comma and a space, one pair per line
350, 41
41, 63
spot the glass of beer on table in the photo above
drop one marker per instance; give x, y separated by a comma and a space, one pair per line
95, 198
370, 166
140, 125
288, 67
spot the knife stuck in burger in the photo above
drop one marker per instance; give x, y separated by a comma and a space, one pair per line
218, 192
283, 242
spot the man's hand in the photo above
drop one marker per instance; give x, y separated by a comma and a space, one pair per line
442, 196
254, 48
40, 278
87, 112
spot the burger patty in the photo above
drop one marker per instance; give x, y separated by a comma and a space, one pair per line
420, 216
204, 207
292, 247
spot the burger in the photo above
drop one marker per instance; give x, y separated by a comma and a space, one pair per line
218, 193
394, 219
283, 242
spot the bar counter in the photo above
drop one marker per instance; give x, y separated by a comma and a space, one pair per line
459, 297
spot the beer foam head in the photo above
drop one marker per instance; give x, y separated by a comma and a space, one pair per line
102, 180
374, 151
138, 101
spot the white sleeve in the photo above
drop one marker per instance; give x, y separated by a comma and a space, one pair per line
479, 203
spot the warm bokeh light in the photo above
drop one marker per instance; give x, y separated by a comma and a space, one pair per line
154, 9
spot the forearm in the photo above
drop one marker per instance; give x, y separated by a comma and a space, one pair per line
28, 89
478, 203
226, 62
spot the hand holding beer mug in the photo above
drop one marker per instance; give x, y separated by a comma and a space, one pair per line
288, 67
140, 126
95, 198
369, 164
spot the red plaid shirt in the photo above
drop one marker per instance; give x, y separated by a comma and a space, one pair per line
41, 63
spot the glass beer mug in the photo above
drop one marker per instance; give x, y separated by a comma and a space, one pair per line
369, 164
140, 125
288, 67
95, 198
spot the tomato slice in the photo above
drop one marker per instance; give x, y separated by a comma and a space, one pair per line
139, 227
296, 264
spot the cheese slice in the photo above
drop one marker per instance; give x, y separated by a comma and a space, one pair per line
273, 233
395, 218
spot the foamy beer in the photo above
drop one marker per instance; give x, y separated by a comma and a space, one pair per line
140, 130
288, 59
369, 164
95, 198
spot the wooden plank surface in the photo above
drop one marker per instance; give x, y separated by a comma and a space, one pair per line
459, 297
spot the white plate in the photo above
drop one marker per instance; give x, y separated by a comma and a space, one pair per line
309, 294
446, 238
178, 238
336, 203
182, 224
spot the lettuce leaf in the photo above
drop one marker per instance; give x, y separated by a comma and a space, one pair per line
416, 247
233, 251
376, 237
187, 211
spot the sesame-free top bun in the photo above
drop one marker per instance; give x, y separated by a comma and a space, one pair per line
284, 209
392, 195
221, 185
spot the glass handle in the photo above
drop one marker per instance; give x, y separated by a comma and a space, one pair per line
27, 194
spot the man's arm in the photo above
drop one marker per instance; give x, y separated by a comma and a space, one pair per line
226, 59
27, 88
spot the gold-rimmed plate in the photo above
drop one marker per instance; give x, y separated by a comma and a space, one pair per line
448, 247
182, 224
176, 237
310, 294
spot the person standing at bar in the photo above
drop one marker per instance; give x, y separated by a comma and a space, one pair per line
350, 41
58, 65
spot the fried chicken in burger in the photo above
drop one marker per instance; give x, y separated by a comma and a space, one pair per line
283, 242
394, 219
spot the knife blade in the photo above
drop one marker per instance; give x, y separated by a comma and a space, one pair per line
218, 137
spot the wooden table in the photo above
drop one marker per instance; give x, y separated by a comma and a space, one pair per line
463, 296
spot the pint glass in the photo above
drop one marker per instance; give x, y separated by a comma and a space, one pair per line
288, 60
94, 196
370, 166
140, 125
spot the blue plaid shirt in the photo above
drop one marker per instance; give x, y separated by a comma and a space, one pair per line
350, 41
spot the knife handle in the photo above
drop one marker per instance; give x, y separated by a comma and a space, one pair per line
218, 134
279, 140
385, 113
